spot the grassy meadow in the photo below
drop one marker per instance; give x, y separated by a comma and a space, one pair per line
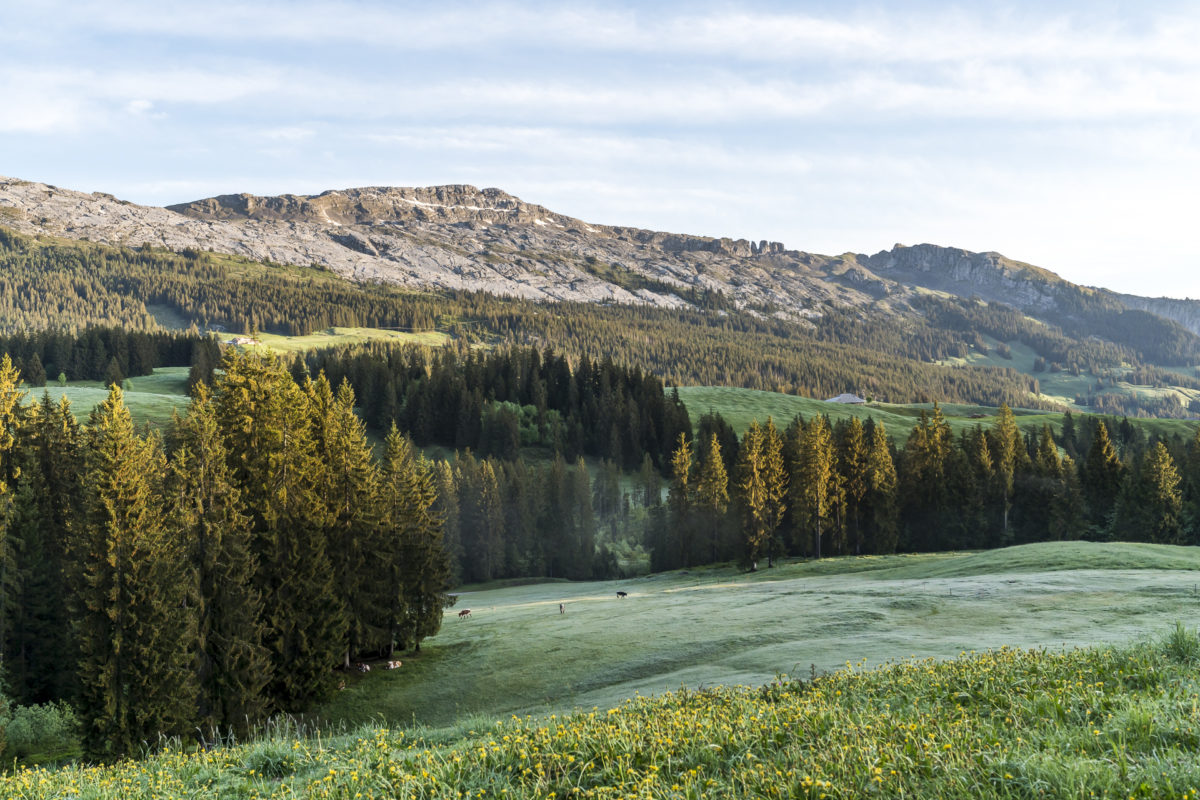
740, 406
719, 626
150, 398
340, 337
522, 701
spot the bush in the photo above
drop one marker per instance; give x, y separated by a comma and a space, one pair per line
41, 733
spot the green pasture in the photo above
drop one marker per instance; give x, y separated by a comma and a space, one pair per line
340, 337
740, 406
150, 398
703, 627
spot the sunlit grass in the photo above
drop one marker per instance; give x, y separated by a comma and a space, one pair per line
1006, 723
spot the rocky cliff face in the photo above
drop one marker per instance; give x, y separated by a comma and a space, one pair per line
1185, 312
989, 276
455, 237
461, 237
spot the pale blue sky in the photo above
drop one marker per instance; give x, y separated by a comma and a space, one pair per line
1061, 134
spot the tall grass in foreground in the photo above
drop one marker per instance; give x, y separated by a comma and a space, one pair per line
1112, 722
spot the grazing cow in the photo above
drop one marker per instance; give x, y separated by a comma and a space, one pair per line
466, 612
622, 595
393, 664
361, 667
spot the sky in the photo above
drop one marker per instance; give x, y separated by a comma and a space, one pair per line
1065, 135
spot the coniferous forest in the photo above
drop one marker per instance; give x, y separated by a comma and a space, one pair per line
225, 568
213, 574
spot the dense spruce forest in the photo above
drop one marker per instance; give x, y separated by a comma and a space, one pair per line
816, 489
210, 576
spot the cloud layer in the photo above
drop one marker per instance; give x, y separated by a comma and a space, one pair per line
1064, 137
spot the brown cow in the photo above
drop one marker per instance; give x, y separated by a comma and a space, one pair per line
466, 612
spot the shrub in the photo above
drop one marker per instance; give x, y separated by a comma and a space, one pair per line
1182, 645
42, 732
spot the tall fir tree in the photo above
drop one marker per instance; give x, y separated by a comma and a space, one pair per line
1101, 477
1068, 517
880, 497
205, 509
752, 494
352, 495
712, 494
927, 511
1149, 507
815, 488
272, 455
1009, 455
852, 464
11, 416
448, 510
419, 567
680, 531
775, 488
135, 629
42, 655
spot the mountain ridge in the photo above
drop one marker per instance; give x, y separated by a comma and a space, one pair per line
460, 237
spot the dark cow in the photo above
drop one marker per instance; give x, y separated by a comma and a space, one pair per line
466, 612
622, 595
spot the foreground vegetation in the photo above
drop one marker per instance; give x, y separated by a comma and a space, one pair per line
1005, 723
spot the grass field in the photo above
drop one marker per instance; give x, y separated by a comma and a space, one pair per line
150, 398
740, 406
338, 337
517, 654
1050, 721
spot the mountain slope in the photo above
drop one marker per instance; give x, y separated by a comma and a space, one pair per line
923, 302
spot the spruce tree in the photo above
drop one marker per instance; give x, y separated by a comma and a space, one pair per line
1149, 506
448, 510
680, 534
232, 665
352, 495
1101, 477
852, 464
42, 655
775, 487
418, 564
712, 493
752, 494
583, 519
880, 496
1008, 454
268, 432
11, 414
1190, 488
136, 632
927, 508
1068, 516
815, 488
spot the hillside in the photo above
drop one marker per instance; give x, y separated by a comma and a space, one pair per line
722, 626
623, 695
903, 309
1011, 723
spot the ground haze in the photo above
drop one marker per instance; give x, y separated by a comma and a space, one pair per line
517, 653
